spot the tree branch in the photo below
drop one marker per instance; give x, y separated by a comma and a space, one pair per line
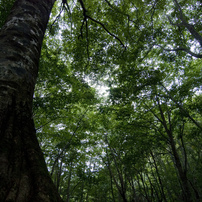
182, 49
98, 22
190, 27
180, 106
68, 143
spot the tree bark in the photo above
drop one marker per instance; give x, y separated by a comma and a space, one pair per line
23, 173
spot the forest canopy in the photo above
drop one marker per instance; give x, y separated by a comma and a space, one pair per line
118, 104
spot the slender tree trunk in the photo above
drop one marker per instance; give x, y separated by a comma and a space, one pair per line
23, 173
182, 172
68, 182
121, 188
159, 177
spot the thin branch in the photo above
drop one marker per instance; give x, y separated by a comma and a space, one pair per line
147, 52
61, 117
81, 29
64, 6
119, 11
46, 124
182, 49
87, 45
58, 16
174, 24
98, 22
66, 145
180, 106
116, 9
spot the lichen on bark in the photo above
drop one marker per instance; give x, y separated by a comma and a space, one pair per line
23, 173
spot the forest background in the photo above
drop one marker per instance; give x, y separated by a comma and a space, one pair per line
140, 139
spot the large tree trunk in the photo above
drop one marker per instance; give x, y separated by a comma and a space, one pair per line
23, 172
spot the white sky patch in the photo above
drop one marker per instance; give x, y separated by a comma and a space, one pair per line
102, 90
100, 87
59, 126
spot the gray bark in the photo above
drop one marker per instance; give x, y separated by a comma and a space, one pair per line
23, 172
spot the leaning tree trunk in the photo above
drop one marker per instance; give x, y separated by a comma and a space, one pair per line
23, 172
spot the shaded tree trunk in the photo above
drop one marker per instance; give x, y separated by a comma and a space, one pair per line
68, 182
181, 171
23, 172
159, 177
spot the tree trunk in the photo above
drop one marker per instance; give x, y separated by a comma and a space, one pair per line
159, 177
182, 172
23, 172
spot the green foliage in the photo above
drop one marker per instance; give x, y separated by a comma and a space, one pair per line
5, 7
140, 141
